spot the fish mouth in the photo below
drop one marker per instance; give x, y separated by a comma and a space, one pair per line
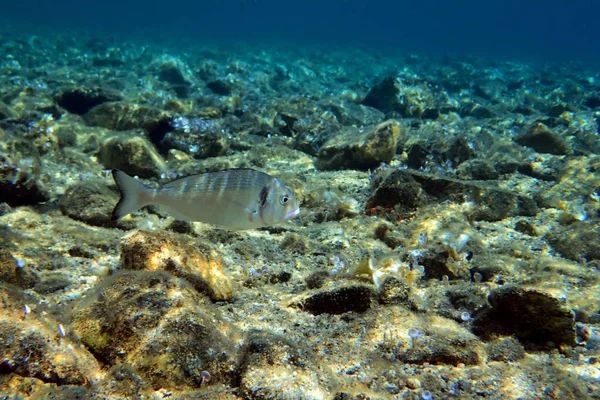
292, 214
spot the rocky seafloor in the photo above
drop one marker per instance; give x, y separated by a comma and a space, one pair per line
448, 244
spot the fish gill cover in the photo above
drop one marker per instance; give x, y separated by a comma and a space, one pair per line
444, 156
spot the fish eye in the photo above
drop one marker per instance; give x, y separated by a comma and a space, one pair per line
283, 200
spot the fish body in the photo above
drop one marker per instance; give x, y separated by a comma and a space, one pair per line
234, 199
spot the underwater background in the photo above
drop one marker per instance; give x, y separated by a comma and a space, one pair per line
437, 167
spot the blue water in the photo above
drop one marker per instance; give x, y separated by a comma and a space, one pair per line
546, 30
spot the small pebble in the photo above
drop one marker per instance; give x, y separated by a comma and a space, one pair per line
413, 383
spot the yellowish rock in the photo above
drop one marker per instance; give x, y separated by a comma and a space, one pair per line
197, 262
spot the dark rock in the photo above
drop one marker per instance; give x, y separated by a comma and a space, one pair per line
160, 324
317, 279
91, 202
593, 102
280, 277
436, 265
542, 140
505, 349
393, 291
11, 272
480, 170
123, 116
531, 315
203, 139
338, 301
417, 155
219, 87
524, 110
576, 241
398, 189
348, 113
6, 112
52, 284
357, 150
134, 155
81, 100
171, 73
558, 109
459, 151
407, 190
19, 183
267, 356
385, 96
525, 227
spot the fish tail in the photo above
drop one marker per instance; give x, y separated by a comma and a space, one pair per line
133, 194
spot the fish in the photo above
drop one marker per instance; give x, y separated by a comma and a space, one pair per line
235, 199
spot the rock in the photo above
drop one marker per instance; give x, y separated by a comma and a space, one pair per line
6, 112
393, 291
200, 138
219, 87
275, 368
16, 273
32, 347
505, 349
19, 183
386, 96
533, 316
439, 150
355, 298
196, 261
123, 116
133, 155
525, 227
406, 190
576, 241
348, 113
81, 100
317, 279
478, 169
356, 150
160, 324
591, 102
91, 202
443, 342
175, 74
542, 140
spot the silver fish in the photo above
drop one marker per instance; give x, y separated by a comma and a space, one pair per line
234, 199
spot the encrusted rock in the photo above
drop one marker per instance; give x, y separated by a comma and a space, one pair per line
15, 272
357, 150
134, 155
407, 190
275, 368
31, 346
160, 324
196, 261
91, 202
81, 100
356, 298
19, 184
532, 315
443, 342
393, 291
123, 116
576, 241
543, 140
